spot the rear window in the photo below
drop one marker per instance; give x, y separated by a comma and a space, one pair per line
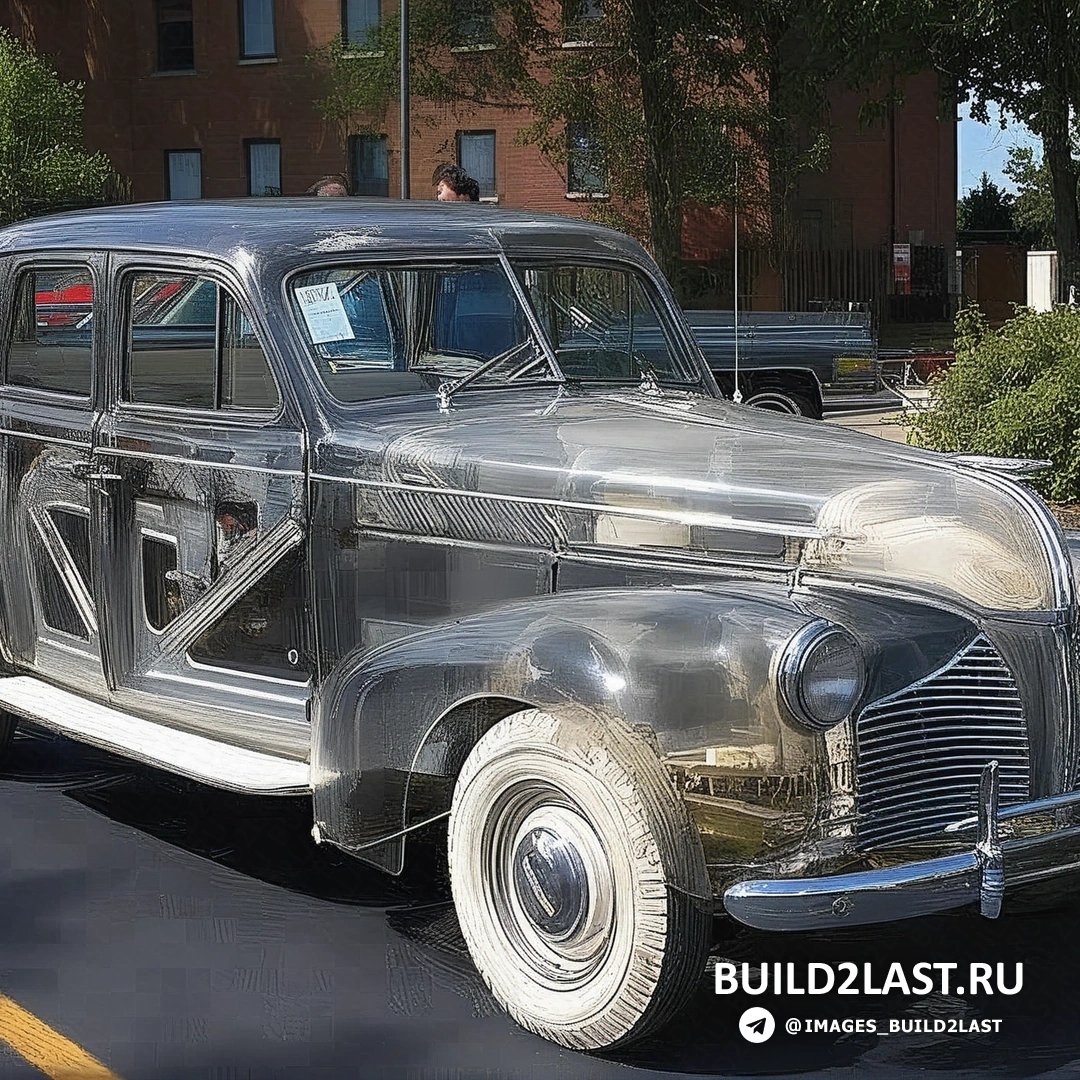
51, 338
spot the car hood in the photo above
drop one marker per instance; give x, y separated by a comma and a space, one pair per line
702, 478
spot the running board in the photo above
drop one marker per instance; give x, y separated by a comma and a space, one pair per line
207, 760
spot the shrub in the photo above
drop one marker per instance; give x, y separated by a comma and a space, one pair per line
43, 163
1013, 392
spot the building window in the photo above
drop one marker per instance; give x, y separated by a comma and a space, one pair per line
367, 158
183, 174
586, 166
812, 228
256, 29
476, 155
582, 23
359, 21
579, 11
264, 166
474, 22
175, 36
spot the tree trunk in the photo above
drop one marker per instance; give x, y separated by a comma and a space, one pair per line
661, 105
1063, 172
1058, 86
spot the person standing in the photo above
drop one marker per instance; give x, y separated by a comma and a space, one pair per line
453, 184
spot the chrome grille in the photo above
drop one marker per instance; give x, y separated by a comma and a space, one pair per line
921, 750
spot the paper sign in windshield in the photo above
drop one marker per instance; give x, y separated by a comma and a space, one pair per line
324, 313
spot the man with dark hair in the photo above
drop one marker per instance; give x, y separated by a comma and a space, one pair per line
453, 184
329, 186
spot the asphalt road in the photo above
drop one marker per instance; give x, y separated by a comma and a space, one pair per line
174, 931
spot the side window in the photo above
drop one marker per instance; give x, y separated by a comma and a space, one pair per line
189, 345
50, 343
476, 314
244, 378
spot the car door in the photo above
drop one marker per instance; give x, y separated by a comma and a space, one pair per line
47, 604
202, 542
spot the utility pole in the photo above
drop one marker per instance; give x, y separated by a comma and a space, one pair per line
403, 45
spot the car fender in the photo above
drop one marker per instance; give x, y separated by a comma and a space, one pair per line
693, 668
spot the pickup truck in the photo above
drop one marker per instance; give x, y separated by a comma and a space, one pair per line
789, 361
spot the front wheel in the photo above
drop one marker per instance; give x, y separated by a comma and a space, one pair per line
579, 881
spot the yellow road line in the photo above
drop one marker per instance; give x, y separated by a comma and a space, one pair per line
46, 1049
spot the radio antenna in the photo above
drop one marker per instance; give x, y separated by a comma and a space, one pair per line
737, 396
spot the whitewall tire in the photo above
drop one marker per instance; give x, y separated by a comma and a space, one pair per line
579, 881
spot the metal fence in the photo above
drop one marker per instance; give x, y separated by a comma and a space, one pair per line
838, 279
812, 278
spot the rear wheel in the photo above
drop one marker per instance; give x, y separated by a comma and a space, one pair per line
579, 881
8, 722
780, 401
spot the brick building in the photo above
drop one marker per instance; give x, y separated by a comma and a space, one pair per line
198, 98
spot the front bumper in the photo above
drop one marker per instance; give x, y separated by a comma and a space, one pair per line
901, 892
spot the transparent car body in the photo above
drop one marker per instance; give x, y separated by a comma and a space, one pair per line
433, 469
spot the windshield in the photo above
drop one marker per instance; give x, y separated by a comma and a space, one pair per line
380, 331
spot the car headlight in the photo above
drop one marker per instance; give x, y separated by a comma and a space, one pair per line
821, 676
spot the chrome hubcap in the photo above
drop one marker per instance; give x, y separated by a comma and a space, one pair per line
551, 883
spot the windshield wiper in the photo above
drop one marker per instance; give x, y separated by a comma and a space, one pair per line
449, 387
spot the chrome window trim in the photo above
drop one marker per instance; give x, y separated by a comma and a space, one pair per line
55, 440
122, 403
807, 532
202, 463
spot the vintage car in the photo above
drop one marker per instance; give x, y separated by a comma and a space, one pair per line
434, 513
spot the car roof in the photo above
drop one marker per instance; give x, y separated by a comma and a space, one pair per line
270, 230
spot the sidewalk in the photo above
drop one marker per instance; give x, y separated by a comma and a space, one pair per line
882, 422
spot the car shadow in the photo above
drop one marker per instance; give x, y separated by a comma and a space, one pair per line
261, 836
269, 839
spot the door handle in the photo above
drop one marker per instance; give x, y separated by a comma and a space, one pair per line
87, 470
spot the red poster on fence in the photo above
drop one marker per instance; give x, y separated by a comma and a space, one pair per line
901, 259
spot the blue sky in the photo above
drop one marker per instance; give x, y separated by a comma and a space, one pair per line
984, 148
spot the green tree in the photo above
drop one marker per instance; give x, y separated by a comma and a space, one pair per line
1024, 55
1033, 207
667, 94
653, 90
43, 164
986, 208
642, 88
457, 62
1021, 55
